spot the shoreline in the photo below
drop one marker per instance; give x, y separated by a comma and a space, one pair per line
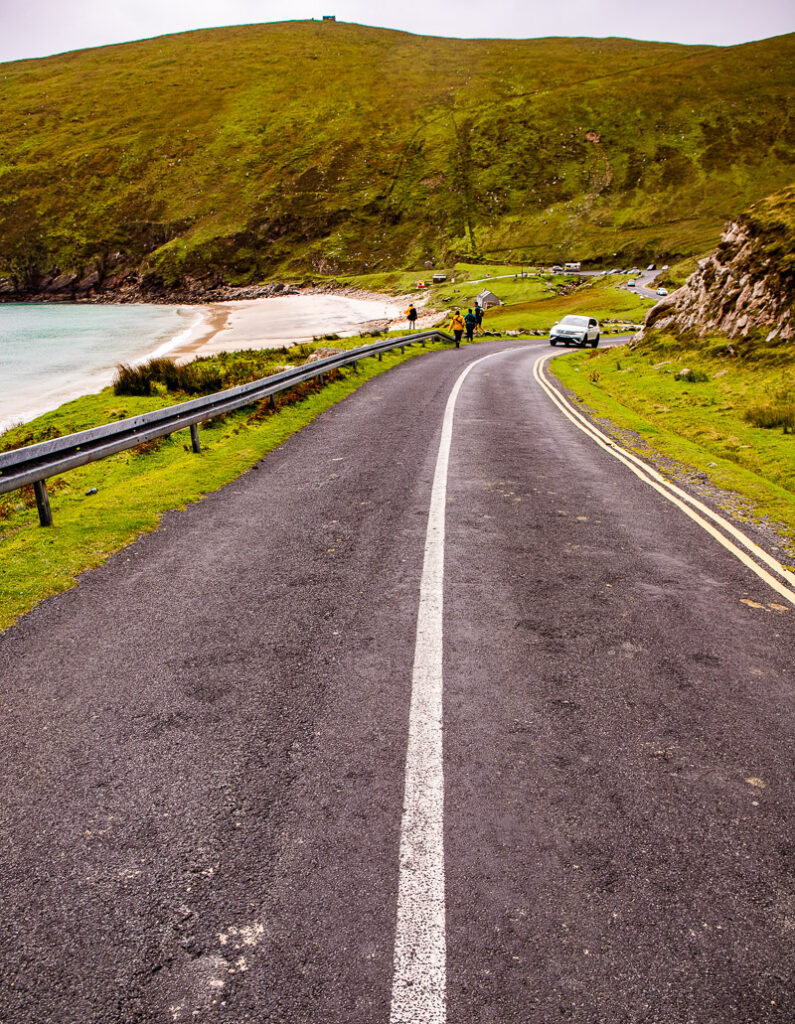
245, 323
265, 322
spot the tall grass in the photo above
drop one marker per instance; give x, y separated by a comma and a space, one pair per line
204, 375
133, 380
771, 415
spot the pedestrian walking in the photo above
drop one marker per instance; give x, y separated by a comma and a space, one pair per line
479, 318
457, 327
470, 322
411, 316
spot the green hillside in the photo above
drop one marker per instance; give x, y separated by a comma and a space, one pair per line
240, 154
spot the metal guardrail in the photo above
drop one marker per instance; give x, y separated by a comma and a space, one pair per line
35, 463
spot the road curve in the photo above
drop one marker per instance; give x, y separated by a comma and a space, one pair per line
206, 739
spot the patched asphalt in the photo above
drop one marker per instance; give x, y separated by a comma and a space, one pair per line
205, 740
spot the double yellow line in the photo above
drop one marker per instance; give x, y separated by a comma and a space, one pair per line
724, 532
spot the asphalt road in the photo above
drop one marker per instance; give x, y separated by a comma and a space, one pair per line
642, 282
205, 741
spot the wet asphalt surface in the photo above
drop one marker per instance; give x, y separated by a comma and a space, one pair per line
204, 741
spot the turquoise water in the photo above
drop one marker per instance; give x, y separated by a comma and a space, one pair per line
52, 352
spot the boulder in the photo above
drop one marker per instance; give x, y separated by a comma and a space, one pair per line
322, 353
60, 283
88, 282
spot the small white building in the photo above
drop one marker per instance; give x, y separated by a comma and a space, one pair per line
487, 299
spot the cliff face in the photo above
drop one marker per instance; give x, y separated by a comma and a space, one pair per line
747, 285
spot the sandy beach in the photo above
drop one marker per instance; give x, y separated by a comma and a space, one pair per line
203, 331
283, 320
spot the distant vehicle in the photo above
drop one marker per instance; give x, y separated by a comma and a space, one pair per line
438, 278
662, 291
630, 284
635, 270
665, 266
572, 266
557, 270
651, 267
575, 330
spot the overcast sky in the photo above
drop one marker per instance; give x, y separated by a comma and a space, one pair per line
37, 28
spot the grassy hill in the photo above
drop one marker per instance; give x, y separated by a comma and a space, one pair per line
244, 153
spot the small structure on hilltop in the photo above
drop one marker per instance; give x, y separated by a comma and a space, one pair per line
329, 17
487, 299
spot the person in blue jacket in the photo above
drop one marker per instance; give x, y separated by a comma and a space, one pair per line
470, 322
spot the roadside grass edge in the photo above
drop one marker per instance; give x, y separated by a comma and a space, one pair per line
747, 494
103, 507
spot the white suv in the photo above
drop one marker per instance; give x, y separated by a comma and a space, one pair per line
577, 330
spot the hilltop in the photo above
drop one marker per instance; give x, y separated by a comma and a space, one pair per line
308, 148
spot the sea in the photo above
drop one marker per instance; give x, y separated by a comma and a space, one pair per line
51, 353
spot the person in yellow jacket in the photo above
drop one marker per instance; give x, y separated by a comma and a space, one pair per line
457, 327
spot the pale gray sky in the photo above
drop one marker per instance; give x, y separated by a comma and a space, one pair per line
36, 28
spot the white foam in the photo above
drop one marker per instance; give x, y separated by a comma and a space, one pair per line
194, 330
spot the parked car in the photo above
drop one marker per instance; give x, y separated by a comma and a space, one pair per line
557, 270
630, 284
575, 330
651, 267
662, 291
665, 266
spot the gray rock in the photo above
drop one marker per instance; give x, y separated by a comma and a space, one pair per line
735, 290
322, 353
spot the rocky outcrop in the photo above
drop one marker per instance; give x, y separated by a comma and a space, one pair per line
129, 287
747, 285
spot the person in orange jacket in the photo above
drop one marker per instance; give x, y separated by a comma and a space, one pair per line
457, 327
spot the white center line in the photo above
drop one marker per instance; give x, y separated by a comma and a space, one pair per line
419, 985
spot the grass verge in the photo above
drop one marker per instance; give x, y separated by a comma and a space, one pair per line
705, 421
598, 297
135, 488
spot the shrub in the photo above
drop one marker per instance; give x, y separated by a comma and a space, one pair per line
145, 447
132, 380
171, 375
692, 376
779, 413
199, 378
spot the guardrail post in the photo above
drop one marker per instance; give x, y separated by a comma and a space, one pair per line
194, 438
380, 357
322, 379
42, 502
272, 402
